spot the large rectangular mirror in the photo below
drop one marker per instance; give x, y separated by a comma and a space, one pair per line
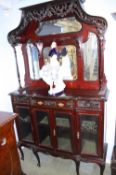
66, 58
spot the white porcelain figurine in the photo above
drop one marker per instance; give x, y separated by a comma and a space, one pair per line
50, 72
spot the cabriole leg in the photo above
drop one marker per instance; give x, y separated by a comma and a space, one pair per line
37, 156
77, 166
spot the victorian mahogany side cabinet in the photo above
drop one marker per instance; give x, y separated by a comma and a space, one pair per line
62, 89
9, 158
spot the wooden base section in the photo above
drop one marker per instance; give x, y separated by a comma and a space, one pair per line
77, 159
100, 161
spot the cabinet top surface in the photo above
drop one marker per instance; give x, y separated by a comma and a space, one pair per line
68, 94
6, 117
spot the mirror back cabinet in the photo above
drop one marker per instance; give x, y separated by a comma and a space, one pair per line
59, 53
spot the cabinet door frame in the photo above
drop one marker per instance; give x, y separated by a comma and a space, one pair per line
72, 128
16, 109
100, 131
51, 124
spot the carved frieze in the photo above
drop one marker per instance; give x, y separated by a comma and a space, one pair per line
55, 9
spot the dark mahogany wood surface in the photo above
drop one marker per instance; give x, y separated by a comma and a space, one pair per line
9, 158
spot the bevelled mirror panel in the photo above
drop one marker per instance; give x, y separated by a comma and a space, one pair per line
90, 58
59, 26
33, 60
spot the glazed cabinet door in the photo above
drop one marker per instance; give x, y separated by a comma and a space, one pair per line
24, 124
43, 127
54, 129
90, 133
64, 130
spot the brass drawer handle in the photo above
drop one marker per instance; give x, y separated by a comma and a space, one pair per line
60, 105
3, 142
40, 103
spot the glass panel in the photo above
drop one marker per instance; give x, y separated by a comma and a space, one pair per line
64, 122
33, 51
89, 134
63, 129
64, 25
43, 127
67, 60
20, 61
90, 55
25, 131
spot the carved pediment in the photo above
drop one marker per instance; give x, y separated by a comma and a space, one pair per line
33, 15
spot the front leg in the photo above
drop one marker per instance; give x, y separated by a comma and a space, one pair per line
37, 156
77, 166
102, 167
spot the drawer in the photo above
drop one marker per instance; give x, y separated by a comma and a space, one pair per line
88, 104
5, 158
63, 104
6, 136
20, 99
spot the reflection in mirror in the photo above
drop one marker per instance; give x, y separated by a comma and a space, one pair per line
33, 51
67, 60
57, 26
90, 56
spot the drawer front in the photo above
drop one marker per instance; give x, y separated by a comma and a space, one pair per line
20, 99
5, 157
88, 104
6, 135
62, 104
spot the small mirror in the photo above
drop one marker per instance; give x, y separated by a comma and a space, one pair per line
58, 26
33, 51
20, 64
90, 56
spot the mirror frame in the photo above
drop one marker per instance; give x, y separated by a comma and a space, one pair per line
33, 15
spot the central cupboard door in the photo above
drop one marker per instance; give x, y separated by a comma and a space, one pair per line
64, 130
54, 129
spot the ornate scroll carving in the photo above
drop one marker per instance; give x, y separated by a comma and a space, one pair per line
59, 9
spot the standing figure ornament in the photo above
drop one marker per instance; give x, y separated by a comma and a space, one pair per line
51, 72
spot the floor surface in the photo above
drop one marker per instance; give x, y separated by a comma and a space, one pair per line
57, 166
